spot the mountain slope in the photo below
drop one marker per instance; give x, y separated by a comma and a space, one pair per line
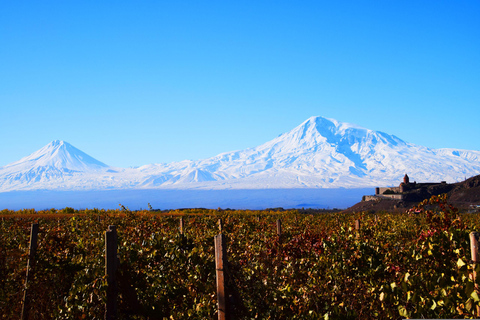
55, 162
326, 153
60, 155
319, 152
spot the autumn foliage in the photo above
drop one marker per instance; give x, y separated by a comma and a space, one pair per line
414, 265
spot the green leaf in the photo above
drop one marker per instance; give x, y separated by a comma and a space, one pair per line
382, 296
409, 295
475, 297
403, 312
393, 285
469, 304
469, 288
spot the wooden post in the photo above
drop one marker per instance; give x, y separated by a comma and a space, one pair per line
181, 226
357, 228
220, 224
220, 264
111, 265
474, 248
279, 227
32, 250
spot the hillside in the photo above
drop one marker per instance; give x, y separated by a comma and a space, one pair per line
466, 193
461, 195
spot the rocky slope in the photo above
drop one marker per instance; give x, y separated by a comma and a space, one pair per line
461, 195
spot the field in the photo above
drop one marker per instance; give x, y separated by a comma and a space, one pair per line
394, 266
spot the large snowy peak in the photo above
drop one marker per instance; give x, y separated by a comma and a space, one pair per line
323, 152
340, 139
318, 146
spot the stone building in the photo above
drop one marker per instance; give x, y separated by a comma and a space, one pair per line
405, 190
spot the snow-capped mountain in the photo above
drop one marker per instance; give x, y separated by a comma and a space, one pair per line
320, 152
60, 155
50, 165
323, 153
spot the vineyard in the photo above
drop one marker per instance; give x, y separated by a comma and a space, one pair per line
321, 266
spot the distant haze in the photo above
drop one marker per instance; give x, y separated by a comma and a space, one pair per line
177, 199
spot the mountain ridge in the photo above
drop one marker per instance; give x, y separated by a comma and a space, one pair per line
60, 154
319, 153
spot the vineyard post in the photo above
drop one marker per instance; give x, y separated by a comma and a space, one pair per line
111, 265
31, 261
220, 264
181, 226
279, 228
220, 224
474, 248
357, 227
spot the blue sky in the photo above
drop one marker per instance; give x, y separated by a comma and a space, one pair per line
132, 83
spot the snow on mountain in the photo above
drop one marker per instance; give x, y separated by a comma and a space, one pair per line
320, 152
60, 155
327, 153
56, 162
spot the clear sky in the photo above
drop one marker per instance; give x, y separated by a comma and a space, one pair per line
138, 82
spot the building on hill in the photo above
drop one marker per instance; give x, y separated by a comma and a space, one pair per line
474, 208
408, 191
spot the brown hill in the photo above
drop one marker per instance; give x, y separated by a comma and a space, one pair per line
465, 193
461, 195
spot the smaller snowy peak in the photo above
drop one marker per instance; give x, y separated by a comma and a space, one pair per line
60, 155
